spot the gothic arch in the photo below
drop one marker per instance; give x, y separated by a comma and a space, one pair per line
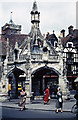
16, 80
43, 76
11, 70
45, 67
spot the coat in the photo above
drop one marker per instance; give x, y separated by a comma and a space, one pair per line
46, 97
58, 102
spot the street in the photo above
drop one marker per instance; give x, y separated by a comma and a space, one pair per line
11, 113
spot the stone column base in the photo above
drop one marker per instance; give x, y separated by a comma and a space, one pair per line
28, 99
66, 95
3, 97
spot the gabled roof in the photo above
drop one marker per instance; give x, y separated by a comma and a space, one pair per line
73, 38
65, 39
52, 36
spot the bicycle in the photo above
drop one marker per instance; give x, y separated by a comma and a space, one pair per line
74, 108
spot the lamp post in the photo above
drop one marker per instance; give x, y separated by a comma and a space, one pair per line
76, 95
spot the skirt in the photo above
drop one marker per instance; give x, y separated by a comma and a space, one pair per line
59, 104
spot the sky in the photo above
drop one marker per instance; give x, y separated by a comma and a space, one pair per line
54, 14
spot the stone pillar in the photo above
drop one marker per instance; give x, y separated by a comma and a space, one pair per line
64, 89
62, 77
28, 86
63, 80
27, 89
28, 73
4, 80
4, 83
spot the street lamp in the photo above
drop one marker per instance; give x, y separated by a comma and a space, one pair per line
76, 95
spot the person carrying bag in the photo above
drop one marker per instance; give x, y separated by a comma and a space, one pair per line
59, 102
23, 95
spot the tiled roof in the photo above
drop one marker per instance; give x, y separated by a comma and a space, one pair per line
12, 40
75, 33
68, 37
51, 36
65, 39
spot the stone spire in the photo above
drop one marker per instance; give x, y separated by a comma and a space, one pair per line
16, 46
35, 20
35, 15
34, 8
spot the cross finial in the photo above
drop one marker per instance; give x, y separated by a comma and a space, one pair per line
35, 6
11, 18
11, 15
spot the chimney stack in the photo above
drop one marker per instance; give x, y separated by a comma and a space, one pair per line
63, 33
70, 29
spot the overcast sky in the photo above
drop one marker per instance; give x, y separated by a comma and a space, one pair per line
53, 15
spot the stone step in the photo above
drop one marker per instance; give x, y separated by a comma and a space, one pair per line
38, 98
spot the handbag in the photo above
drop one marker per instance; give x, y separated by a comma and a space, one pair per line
49, 97
60, 97
60, 100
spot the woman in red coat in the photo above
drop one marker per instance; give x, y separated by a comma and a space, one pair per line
46, 98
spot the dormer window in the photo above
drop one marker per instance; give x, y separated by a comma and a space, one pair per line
69, 44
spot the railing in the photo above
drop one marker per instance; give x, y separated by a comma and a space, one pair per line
54, 58
42, 57
20, 58
36, 56
10, 59
23, 57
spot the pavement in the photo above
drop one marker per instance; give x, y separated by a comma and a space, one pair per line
39, 105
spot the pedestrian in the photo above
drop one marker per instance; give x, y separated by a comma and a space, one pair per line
47, 96
23, 95
76, 97
59, 101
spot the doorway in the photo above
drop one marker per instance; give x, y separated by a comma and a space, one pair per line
16, 81
43, 77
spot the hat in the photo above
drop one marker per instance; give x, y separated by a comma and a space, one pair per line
59, 88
